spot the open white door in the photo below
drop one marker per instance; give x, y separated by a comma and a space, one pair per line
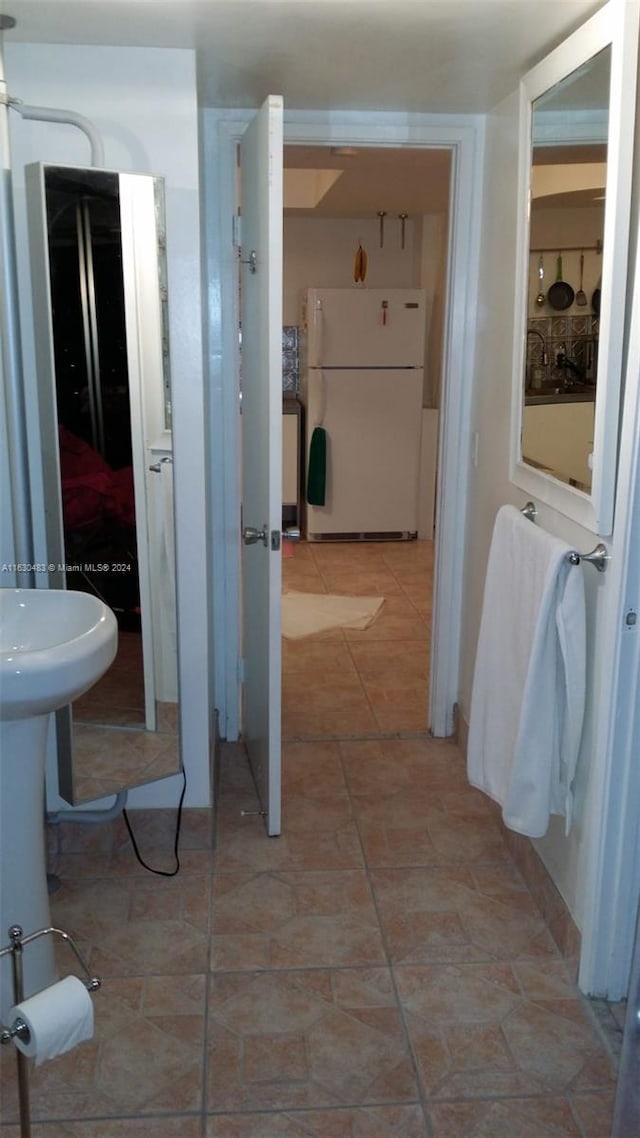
261, 322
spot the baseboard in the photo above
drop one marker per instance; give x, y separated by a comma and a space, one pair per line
550, 902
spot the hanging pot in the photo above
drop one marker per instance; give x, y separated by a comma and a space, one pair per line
561, 294
595, 300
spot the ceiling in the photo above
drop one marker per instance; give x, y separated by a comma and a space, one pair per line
438, 56
397, 181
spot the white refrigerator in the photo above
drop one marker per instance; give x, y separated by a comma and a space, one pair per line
362, 381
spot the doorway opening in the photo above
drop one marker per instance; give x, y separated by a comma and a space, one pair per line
393, 205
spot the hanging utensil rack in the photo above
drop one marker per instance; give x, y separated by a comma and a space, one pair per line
597, 248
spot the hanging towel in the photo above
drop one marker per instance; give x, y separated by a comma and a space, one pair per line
528, 697
317, 470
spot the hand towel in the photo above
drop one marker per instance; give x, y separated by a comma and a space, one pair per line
317, 469
528, 697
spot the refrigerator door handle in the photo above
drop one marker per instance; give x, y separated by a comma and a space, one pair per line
322, 408
318, 331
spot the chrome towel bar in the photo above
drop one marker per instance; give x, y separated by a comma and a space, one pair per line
599, 557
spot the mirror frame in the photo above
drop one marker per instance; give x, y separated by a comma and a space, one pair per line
614, 25
143, 242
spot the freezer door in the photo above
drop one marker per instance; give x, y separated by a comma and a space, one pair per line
373, 424
351, 327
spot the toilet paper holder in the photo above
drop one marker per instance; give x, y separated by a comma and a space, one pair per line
18, 1028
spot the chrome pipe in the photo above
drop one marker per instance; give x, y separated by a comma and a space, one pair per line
15, 932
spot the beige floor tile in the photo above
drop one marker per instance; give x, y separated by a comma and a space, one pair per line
475, 1035
401, 720
128, 926
326, 693
306, 1039
436, 914
312, 769
396, 840
180, 1126
419, 766
299, 570
365, 1122
528, 1118
145, 1057
294, 920
318, 833
361, 583
305, 660
595, 1113
399, 702
350, 557
352, 722
396, 663
397, 620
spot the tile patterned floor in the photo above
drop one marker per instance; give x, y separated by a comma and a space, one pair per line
352, 683
379, 971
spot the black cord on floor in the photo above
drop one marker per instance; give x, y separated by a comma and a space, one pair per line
161, 872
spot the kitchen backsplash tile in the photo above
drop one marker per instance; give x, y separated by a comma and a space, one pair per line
290, 359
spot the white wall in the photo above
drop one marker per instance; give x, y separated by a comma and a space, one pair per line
435, 235
144, 104
566, 858
7, 547
319, 253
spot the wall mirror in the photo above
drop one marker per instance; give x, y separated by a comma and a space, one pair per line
97, 245
576, 137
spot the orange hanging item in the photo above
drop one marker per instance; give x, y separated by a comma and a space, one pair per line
360, 265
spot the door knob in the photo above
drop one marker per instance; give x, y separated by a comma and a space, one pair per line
251, 535
291, 534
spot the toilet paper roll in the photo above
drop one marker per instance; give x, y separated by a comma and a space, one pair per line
58, 1018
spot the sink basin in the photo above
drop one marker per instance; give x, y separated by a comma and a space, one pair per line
54, 645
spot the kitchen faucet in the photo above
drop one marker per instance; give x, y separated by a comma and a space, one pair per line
573, 373
544, 359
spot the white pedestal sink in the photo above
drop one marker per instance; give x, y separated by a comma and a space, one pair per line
54, 645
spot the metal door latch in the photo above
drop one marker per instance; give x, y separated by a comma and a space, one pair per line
251, 261
251, 535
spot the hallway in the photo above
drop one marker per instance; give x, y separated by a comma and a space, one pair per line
347, 682
379, 971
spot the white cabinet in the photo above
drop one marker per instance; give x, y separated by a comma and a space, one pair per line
558, 437
290, 459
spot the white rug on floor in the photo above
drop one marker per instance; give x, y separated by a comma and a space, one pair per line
306, 613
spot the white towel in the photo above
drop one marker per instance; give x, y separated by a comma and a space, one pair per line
527, 703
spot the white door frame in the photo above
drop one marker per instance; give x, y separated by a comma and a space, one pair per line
613, 881
464, 135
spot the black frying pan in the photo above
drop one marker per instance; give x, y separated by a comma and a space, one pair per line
595, 299
561, 294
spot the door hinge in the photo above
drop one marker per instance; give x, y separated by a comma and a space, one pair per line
242, 669
236, 230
